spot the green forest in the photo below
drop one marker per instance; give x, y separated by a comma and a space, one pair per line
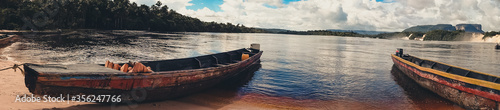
323, 32
437, 35
491, 34
104, 14
443, 35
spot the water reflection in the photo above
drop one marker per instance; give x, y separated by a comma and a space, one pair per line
224, 93
422, 98
439, 45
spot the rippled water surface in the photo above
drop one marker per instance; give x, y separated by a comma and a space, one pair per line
297, 71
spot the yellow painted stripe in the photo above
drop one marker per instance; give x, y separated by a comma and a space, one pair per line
469, 80
460, 68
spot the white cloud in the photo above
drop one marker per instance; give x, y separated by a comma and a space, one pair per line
348, 14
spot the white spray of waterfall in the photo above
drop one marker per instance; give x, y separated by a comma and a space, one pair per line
477, 37
406, 37
493, 39
422, 39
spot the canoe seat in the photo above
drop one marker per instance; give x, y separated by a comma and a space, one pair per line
75, 69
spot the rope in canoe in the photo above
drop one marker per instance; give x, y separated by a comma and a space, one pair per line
15, 67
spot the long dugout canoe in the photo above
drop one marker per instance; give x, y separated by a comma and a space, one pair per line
170, 79
467, 88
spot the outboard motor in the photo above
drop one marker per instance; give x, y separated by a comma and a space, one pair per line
255, 47
399, 52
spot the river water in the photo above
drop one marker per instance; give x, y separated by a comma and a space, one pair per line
297, 71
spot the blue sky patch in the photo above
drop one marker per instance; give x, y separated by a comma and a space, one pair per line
210, 4
270, 6
214, 4
385, 1
288, 1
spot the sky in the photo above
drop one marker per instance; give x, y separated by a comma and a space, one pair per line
374, 15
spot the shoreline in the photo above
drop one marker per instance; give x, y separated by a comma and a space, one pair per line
12, 85
472, 38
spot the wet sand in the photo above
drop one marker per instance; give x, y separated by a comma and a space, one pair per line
12, 84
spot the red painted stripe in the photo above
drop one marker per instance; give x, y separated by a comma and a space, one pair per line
485, 94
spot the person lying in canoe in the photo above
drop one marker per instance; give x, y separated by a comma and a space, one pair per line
131, 67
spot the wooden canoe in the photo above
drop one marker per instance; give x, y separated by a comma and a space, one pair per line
170, 79
467, 88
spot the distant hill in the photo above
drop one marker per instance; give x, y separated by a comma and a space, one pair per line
427, 28
270, 30
364, 32
446, 27
470, 27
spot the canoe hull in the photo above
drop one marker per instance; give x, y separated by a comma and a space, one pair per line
435, 84
137, 88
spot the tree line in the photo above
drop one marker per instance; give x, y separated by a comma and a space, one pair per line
323, 32
104, 14
443, 35
491, 34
